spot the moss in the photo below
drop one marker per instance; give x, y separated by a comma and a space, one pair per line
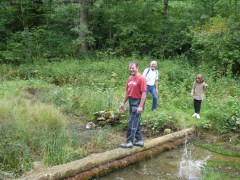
221, 148
222, 169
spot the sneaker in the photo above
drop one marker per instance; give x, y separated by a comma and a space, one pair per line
126, 145
139, 143
194, 115
198, 116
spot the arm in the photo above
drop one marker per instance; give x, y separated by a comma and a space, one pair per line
205, 86
156, 82
144, 72
122, 105
192, 91
156, 86
143, 98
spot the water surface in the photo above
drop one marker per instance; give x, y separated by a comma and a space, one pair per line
181, 163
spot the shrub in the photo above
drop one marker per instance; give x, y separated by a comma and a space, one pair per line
158, 121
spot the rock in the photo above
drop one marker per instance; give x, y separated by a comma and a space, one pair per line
107, 114
102, 123
103, 118
167, 131
90, 125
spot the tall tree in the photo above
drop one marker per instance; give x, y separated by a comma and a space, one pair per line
84, 5
83, 22
165, 14
165, 2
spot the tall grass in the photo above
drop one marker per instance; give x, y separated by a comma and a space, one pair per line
25, 128
81, 101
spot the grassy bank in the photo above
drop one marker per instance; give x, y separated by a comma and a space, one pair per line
44, 107
221, 170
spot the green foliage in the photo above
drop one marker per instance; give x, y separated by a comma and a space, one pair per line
38, 29
36, 35
158, 121
100, 138
56, 149
25, 128
222, 105
138, 27
75, 72
213, 42
32, 95
80, 101
221, 149
15, 155
221, 170
202, 31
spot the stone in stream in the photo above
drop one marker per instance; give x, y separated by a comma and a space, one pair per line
102, 118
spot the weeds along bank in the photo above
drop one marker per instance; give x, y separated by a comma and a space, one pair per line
45, 106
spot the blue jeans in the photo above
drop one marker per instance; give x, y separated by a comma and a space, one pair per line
134, 126
152, 90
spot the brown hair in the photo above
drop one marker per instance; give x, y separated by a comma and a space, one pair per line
200, 76
134, 62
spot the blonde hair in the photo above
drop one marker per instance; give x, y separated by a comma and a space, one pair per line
200, 76
153, 62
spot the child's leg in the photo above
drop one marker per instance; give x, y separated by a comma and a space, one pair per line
195, 105
198, 106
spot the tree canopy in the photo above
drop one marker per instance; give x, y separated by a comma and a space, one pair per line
200, 31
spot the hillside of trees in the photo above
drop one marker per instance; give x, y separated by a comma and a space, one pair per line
199, 31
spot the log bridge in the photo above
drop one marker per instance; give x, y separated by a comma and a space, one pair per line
100, 164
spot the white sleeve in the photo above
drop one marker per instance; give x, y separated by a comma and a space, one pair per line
145, 72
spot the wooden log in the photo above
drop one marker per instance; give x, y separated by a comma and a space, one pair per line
99, 164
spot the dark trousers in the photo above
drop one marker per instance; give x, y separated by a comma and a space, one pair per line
197, 105
134, 126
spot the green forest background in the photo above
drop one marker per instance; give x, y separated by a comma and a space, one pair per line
199, 31
63, 60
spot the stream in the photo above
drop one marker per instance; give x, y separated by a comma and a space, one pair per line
182, 163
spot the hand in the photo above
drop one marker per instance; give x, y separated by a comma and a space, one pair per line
156, 91
206, 86
122, 107
139, 109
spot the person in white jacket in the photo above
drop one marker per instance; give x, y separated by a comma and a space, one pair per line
151, 75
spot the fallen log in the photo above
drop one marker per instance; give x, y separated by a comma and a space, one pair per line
100, 164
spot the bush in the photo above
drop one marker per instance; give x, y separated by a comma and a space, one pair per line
159, 121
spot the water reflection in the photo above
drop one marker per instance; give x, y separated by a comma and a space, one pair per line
167, 166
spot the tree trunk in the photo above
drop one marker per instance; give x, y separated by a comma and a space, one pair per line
83, 25
165, 8
83, 22
164, 23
